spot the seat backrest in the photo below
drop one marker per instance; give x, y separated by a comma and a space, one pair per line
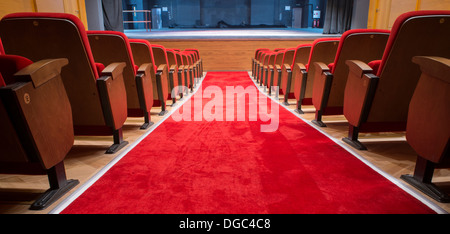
172, 57
288, 57
358, 44
257, 51
322, 50
110, 47
179, 58
279, 58
197, 53
301, 54
40, 36
160, 55
142, 52
413, 34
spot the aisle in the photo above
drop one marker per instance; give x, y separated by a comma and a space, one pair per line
208, 157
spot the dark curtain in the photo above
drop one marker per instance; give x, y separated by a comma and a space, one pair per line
112, 15
338, 17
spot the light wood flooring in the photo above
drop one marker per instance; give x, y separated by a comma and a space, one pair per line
386, 151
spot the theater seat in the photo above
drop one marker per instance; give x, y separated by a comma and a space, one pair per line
428, 128
109, 47
322, 50
188, 69
256, 59
264, 55
195, 66
329, 84
379, 102
268, 70
182, 70
99, 105
198, 59
144, 54
274, 83
174, 80
298, 55
36, 123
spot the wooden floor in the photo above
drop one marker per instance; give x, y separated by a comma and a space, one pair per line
389, 152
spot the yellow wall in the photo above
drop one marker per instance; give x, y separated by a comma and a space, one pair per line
75, 7
382, 13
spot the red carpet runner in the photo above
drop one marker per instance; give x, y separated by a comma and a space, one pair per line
212, 167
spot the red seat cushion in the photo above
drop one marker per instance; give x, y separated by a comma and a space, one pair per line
2, 82
100, 68
375, 65
10, 64
2, 51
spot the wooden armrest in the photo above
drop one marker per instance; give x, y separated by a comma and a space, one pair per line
161, 68
358, 68
287, 67
145, 69
278, 67
322, 67
301, 66
173, 67
438, 67
42, 71
114, 70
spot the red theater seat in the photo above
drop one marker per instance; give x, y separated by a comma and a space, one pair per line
36, 123
268, 70
329, 84
379, 102
263, 55
109, 47
322, 50
198, 59
300, 55
274, 83
256, 59
189, 69
143, 53
182, 70
428, 128
98, 104
195, 66
174, 80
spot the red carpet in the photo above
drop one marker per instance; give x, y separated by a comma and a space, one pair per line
222, 167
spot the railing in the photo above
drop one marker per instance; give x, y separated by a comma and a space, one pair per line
147, 18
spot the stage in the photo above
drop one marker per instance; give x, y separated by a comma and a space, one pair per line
228, 33
229, 49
